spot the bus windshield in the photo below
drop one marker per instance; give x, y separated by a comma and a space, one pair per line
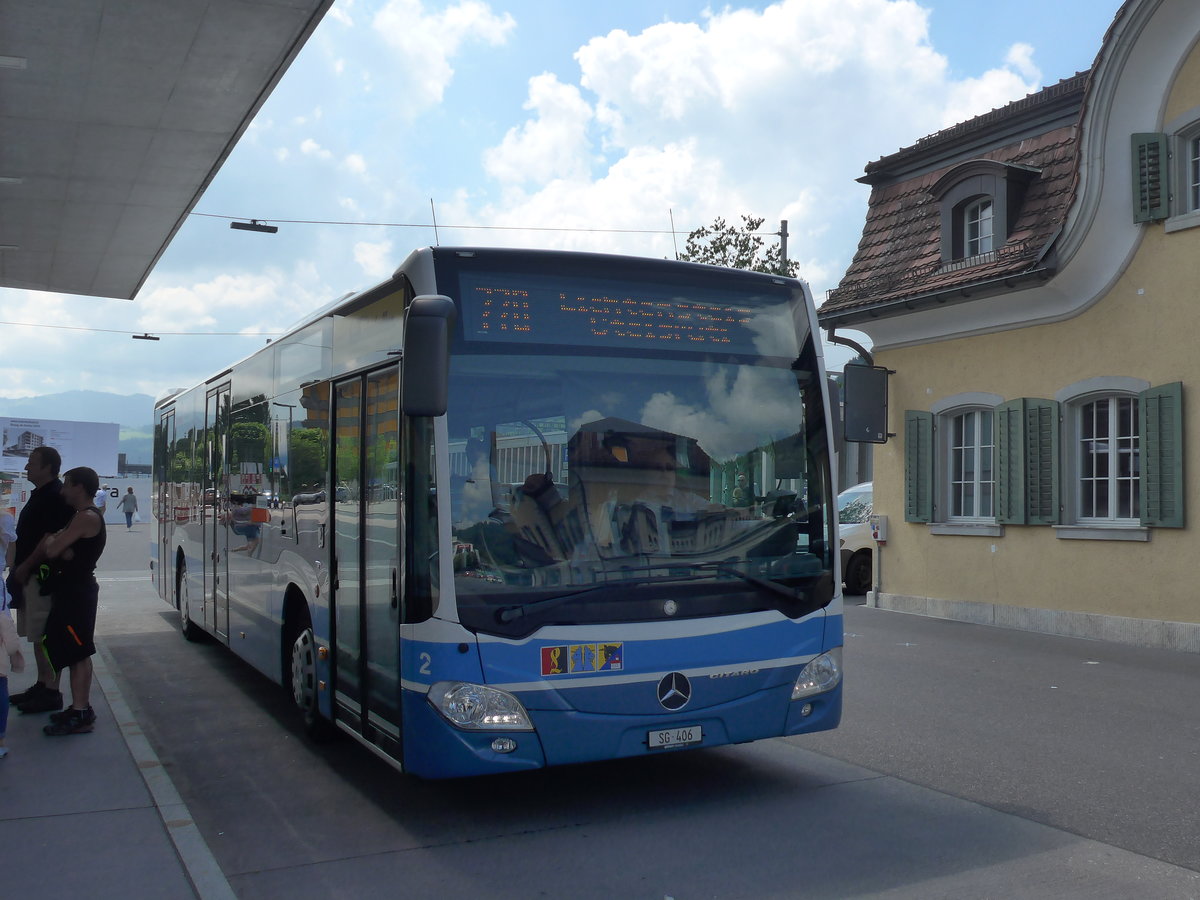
600, 488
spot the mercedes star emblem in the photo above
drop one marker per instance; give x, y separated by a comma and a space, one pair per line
674, 691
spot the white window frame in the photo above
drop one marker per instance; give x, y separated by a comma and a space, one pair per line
1075, 398
978, 215
945, 412
976, 444
1120, 482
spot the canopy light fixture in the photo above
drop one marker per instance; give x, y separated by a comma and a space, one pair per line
146, 337
254, 225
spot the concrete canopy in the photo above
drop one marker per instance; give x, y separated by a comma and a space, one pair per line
114, 117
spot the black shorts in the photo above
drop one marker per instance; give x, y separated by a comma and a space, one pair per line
71, 625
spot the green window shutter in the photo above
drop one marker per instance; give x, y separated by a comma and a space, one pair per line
1010, 463
1027, 488
1160, 434
1041, 462
918, 466
1150, 183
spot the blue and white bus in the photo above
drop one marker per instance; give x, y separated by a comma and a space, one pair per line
512, 509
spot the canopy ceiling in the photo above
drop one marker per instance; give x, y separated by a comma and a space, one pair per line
114, 117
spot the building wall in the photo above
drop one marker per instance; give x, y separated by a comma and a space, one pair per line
1145, 327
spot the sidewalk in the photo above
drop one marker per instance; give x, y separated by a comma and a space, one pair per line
95, 815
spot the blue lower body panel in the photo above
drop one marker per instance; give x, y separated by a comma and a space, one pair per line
435, 749
573, 737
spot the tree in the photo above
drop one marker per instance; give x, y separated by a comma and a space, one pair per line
737, 248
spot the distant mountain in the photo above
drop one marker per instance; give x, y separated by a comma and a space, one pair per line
133, 412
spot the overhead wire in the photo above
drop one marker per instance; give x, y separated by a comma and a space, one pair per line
671, 231
126, 331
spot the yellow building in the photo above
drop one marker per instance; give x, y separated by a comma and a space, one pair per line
1032, 277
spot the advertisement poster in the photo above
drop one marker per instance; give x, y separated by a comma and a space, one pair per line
92, 444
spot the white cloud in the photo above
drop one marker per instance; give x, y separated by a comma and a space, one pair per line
428, 41
553, 145
994, 88
355, 163
309, 147
376, 260
340, 12
770, 113
1020, 57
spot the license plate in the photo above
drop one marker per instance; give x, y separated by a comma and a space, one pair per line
674, 737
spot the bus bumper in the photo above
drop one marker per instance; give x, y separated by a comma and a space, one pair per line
444, 751
568, 736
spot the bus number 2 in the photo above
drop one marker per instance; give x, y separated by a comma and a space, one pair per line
426, 664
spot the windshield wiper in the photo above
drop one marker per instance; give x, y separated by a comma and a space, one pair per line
507, 614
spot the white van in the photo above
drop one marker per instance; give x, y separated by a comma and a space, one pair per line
854, 533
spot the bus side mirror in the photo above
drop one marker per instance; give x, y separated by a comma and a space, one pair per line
425, 375
865, 395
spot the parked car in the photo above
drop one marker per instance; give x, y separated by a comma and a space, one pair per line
854, 514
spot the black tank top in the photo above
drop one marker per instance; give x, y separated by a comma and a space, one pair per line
78, 570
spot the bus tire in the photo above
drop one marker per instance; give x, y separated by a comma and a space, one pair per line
190, 630
302, 679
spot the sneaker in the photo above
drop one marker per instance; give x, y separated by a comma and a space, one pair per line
72, 721
59, 716
34, 689
45, 700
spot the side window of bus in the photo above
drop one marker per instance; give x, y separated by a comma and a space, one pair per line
250, 427
299, 414
302, 423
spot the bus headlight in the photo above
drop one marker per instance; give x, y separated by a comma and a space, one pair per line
822, 674
476, 707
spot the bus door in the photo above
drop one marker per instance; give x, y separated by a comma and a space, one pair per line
163, 503
217, 512
365, 511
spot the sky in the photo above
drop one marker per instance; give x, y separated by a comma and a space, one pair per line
544, 123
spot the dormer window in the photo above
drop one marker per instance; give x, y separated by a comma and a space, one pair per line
979, 202
977, 227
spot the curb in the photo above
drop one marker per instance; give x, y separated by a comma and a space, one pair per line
199, 863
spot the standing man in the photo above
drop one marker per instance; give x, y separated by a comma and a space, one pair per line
101, 502
45, 513
128, 506
71, 626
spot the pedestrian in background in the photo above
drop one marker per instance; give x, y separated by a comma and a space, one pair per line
101, 501
128, 506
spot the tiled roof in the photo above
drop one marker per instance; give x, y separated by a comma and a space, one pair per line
899, 255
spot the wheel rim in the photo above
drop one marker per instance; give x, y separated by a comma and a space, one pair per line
304, 667
184, 617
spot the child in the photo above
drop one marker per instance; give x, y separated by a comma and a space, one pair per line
10, 649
